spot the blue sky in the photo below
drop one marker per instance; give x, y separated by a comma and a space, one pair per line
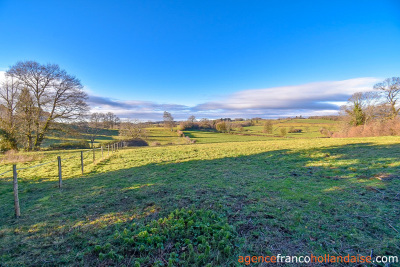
209, 58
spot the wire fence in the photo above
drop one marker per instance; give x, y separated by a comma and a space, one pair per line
110, 148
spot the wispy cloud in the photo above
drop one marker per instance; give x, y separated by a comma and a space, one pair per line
311, 96
145, 110
319, 98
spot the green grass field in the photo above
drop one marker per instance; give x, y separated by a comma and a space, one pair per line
275, 196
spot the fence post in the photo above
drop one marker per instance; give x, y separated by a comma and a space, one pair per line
108, 150
102, 152
16, 199
82, 161
59, 172
94, 155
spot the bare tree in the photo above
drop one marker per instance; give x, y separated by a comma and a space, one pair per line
192, 119
267, 127
96, 124
56, 95
168, 120
133, 129
110, 120
390, 89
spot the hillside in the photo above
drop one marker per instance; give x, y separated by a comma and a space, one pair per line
287, 196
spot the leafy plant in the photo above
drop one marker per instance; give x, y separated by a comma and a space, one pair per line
185, 237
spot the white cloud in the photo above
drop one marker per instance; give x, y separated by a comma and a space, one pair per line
319, 98
313, 96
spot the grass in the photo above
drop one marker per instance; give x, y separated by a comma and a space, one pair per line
286, 196
310, 127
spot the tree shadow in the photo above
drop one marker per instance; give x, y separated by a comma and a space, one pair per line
337, 200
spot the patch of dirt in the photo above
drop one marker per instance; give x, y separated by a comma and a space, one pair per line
386, 176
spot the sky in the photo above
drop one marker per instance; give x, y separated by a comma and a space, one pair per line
211, 59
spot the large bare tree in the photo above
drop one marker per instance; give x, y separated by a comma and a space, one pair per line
55, 94
390, 89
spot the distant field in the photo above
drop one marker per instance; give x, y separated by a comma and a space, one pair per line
310, 129
161, 136
284, 196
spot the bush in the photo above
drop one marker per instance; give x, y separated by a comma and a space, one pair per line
375, 128
326, 132
156, 144
135, 142
185, 237
4, 145
71, 145
223, 127
293, 130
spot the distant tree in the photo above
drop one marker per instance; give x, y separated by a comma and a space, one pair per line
390, 89
93, 126
354, 109
192, 119
283, 131
267, 127
168, 121
111, 120
205, 124
133, 129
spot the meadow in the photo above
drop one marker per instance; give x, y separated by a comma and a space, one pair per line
206, 203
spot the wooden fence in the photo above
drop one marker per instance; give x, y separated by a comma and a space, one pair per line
114, 147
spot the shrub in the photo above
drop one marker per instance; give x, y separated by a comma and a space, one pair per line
4, 145
135, 142
156, 144
293, 130
223, 127
185, 237
180, 133
71, 145
375, 128
326, 132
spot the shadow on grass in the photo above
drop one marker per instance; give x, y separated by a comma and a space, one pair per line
337, 200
